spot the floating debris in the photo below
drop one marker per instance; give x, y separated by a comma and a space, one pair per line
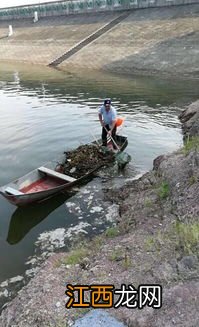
80, 228
113, 213
4, 284
16, 279
84, 159
52, 240
96, 209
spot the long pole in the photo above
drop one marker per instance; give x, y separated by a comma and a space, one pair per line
112, 139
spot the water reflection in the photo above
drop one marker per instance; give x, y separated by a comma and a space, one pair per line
91, 89
16, 78
25, 218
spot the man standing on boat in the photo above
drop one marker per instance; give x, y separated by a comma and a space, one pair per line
107, 117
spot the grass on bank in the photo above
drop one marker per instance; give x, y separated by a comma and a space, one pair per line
148, 203
121, 255
76, 256
193, 179
191, 144
86, 249
187, 237
112, 232
163, 190
183, 238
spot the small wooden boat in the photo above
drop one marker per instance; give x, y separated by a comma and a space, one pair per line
45, 182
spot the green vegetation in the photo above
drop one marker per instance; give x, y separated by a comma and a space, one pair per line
186, 236
121, 255
191, 144
163, 190
192, 180
127, 224
97, 242
76, 256
149, 243
127, 261
116, 255
183, 238
155, 243
148, 203
112, 232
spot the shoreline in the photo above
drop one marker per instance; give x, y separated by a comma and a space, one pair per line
155, 240
134, 73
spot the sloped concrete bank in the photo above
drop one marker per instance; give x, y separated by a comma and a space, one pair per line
161, 41
155, 241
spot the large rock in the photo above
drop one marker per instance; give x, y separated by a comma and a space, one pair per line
180, 308
190, 120
181, 172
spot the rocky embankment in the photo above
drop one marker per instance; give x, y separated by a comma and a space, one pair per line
155, 241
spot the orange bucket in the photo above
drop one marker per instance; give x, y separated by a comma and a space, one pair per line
119, 121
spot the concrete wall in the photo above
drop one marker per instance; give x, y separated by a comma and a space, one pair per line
84, 6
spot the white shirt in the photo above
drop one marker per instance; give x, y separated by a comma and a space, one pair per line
108, 116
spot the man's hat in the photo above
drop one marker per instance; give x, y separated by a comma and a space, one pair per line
107, 101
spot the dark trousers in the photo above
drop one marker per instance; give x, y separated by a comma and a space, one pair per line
104, 135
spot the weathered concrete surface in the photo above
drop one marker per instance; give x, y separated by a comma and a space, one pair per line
163, 41
41, 43
89, 39
156, 241
160, 41
176, 55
